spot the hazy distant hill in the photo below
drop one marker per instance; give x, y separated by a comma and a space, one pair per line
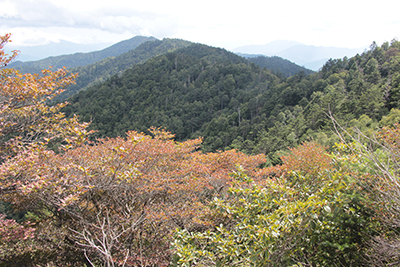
311, 57
80, 59
38, 52
277, 64
270, 49
308, 55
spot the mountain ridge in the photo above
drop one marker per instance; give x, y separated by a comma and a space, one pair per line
277, 64
63, 47
180, 90
102, 70
79, 59
309, 56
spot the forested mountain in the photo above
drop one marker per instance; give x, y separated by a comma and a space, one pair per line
181, 90
278, 65
232, 103
80, 59
104, 69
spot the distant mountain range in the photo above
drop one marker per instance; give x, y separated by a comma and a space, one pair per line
98, 66
308, 56
37, 52
80, 59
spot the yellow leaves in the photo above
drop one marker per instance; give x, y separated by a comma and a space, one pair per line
68, 200
33, 88
159, 133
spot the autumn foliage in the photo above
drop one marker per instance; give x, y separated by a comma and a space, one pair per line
141, 187
130, 191
310, 160
109, 201
148, 200
28, 129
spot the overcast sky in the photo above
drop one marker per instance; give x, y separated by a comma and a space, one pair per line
228, 24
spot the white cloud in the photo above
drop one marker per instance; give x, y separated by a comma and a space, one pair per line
221, 23
40, 17
7, 9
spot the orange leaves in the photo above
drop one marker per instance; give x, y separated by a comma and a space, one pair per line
153, 177
140, 163
29, 89
4, 39
217, 167
307, 159
28, 126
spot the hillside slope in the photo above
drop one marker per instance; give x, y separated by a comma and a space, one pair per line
233, 103
104, 69
277, 65
182, 91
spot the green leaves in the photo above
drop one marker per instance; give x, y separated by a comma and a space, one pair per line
310, 214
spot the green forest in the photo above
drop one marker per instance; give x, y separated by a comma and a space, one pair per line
181, 154
234, 104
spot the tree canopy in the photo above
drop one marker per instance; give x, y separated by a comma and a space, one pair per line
323, 191
232, 103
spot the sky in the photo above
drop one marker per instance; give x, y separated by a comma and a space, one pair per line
220, 23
